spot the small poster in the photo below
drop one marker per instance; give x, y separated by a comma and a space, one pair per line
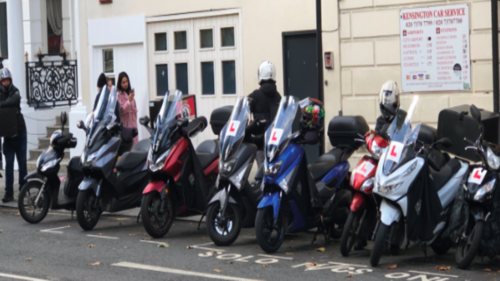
435, 48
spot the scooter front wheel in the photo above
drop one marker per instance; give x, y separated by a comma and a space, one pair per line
31, 210
349, 235
468, 247
87, 209
157, 215
223, 229
269, 235
378, 247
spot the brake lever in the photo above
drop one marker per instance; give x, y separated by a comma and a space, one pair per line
360, 140
470, 148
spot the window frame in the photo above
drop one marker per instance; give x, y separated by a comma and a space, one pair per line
104, 61
166, 43
213, 39
234, 34
187, 41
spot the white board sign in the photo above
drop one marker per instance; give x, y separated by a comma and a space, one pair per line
435, 48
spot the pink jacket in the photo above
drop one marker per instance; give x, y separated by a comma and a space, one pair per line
128, 112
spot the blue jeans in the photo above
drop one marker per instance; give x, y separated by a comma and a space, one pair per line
12, 148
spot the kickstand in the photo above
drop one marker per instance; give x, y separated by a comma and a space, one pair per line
199, 223
326, 233
139, 217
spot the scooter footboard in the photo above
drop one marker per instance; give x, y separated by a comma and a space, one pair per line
389, 213
271, 200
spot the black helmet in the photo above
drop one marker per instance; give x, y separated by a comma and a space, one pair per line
389, 100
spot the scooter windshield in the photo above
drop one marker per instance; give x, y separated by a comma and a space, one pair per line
279, 133
233, 132
170, 111
103, 115
402, 140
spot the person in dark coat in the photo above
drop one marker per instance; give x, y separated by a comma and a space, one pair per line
15, 146
101, 83
264, 103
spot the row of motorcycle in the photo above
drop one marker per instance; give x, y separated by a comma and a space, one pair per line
399, 196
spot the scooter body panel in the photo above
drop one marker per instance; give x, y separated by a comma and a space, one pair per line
157, 186
273, 200
447, 193
358, 202
175, 160
389, 213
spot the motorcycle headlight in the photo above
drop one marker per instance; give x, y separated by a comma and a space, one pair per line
485, 189
160, 162
273, 170
226, 167
50, 164
376, 151
493, 160
388, 188
367, 184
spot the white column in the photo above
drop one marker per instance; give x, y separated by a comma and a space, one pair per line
16, 45
78, 112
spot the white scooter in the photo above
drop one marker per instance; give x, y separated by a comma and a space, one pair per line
415, 186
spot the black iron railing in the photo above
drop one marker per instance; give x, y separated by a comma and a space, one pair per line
52, 83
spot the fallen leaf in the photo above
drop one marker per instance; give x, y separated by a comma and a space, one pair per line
132, 234
146, 239
394, 266
17, 214
91, 246
216, 270
163, 245
69, 225
322, 249
99, 234
349, 275
96, 263
289, 254
230, 262
189, 247
487, 270
443, 267
0, 231
311, 264
28, 259
265, 266
125, 247
42, 238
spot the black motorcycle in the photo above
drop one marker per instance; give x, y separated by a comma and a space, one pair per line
43, 187
479, 194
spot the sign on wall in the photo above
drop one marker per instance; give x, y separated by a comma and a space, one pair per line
435, 48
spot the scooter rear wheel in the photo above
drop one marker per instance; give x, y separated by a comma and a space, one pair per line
27, 198
467, 248
87, 211
378, 247
223, 233
157, 215
270, 236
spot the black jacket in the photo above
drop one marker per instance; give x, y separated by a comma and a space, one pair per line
382, 125
10, 97
117, 108
262, 101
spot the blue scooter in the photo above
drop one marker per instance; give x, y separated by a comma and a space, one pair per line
298, 196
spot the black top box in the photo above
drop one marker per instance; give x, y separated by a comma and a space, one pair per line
456, 123
219, 118
343, 130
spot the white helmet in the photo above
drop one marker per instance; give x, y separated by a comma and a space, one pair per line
389, 99
267, 71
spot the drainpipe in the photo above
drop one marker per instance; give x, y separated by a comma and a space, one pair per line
494, 47
319, 46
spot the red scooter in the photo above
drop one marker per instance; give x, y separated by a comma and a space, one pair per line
181, 177
363, 210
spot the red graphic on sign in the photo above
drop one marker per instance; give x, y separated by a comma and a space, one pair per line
477, 175
393, 152
273, 138
404, 32
438, 30
363, 168
231, 129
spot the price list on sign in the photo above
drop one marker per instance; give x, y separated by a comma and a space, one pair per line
435, 48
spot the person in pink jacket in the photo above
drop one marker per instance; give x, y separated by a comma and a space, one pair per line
128, 112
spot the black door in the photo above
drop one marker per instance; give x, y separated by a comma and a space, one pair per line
301, 73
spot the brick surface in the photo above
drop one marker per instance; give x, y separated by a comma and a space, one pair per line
369, 80
345, 25
365, 106
356, 53
387, 51
346, 82
375, 23
355, 4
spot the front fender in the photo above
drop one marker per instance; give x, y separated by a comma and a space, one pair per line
34, 176
89, 184
271, 200
220, 196
478, 213
358, 202
389, 213
154, 186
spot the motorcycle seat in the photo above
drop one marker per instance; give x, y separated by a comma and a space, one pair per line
131, 160
441, 177
325, 163
207, 152
142, 145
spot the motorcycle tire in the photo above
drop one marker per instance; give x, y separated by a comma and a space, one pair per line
467, 248
86, 214
156, 222
378, 246
349, 233
264, 228
43, 206
223, 235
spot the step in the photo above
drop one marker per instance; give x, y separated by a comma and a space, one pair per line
58, 120
35, 153
52, 129
43, 143
63, 169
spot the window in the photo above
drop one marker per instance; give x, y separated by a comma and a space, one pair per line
181, 77
229, 77
161, 79
107, 58
207, 78
227, 37
206, 38
3, 30
180, 40
160, 41
54, 26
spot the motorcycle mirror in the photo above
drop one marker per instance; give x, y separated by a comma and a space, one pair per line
64, 118
475, 113
182, 122
144, 121
81, 125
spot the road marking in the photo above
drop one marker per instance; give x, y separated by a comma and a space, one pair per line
152, 242
52, 230
276, 257
348, 264
103, 237
179, 271
205, 248
20, 277
431, 273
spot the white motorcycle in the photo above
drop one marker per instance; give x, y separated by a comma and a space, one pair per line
415, 187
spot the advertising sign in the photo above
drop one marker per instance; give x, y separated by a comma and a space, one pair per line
435, 48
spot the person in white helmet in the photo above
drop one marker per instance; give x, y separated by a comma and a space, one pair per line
262, 102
